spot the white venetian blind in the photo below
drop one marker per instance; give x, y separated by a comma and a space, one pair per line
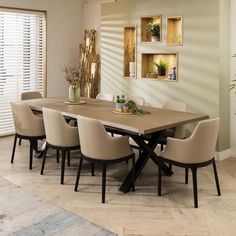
22, 59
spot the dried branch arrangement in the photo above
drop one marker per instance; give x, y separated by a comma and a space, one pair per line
72, 75
89, 65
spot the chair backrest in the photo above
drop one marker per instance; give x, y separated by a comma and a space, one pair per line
58, 132
175, 105
93, 137
26, 123
30, 95
137, 99
105, 96
203, 140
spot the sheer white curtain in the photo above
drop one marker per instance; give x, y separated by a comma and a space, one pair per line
22, 59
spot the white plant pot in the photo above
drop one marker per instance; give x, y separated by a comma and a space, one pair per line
154, 38
132, 69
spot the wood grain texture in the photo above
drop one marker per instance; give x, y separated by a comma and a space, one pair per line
159, 119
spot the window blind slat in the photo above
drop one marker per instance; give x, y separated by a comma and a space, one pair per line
22, 59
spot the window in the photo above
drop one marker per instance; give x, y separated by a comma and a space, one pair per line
22, 59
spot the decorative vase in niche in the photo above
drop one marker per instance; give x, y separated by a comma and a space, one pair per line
132, 69
74, 93
173, 73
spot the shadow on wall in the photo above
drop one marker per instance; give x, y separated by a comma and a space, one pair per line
198, 73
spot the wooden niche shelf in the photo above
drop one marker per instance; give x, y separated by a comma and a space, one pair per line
146, 36
130, 52
174, 31
150, 70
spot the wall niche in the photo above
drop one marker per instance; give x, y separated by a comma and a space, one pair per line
174, 31
130, 52
146, 35
167, 69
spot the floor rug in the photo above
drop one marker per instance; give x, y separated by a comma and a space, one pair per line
24, 214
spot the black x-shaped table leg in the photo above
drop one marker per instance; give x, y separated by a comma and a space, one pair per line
147, 152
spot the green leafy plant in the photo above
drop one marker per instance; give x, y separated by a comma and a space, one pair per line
154, 28
133, 107
120, 99
161, 63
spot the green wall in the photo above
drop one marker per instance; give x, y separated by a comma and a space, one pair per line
203, 72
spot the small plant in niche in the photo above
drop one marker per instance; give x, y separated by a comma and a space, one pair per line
161, 65
154, 29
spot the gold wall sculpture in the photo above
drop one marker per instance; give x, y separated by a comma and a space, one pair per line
89, 65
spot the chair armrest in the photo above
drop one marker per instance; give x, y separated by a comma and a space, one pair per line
119, 146
177, 149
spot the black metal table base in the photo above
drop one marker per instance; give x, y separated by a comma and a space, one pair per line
146, 153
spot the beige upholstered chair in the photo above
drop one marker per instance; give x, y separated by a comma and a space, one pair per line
194, 152
105, 96
176, 106
99, 147
59, 136
30, 95
28, 126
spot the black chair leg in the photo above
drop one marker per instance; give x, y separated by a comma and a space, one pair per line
68, 158
44, 160
36, 146
78, 174
159, 180
92, 169
31, 154
13, 150
186, 175
162, 146
195, 193
104, 169
170, 167
63, 165
133, 174
216, 178
20, 141
58, 156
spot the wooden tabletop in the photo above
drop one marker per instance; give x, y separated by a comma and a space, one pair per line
159, 119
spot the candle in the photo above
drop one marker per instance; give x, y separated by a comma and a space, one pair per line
93, 69
87, 41
132, 69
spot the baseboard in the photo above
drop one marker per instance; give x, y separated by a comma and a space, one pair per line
220, 156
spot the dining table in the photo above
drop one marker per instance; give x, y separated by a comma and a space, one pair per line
145, 129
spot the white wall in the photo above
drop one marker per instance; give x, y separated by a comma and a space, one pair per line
64, 25
91, 14
233, 76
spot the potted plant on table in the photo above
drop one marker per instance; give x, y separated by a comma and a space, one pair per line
154, 29
120, 102
161, 65
72, 75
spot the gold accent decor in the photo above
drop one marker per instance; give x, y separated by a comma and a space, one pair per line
130, 52
89, 65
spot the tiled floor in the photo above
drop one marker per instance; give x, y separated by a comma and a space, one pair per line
138, 213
